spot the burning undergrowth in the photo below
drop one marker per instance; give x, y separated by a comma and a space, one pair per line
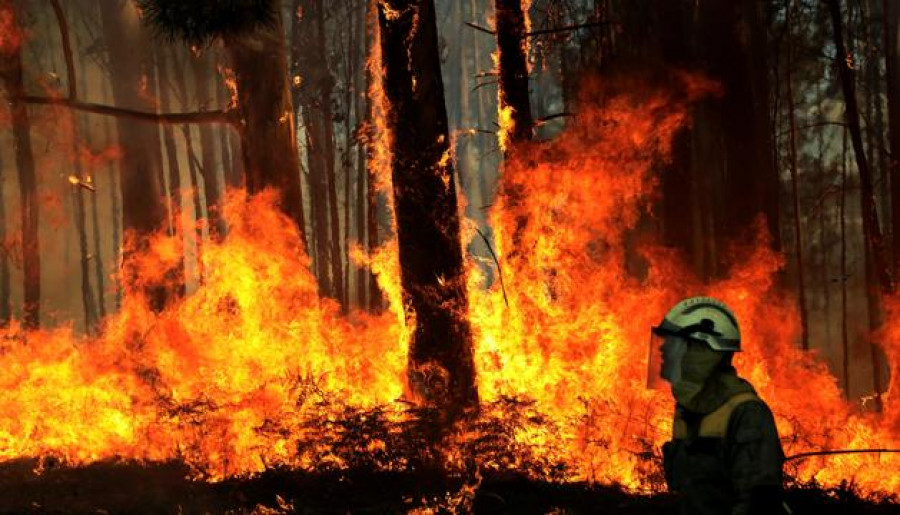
254, 372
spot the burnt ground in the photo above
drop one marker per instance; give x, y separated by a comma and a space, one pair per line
163, 488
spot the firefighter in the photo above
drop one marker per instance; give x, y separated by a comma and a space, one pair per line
724, 456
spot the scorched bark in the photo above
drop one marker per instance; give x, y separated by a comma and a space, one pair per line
441, 370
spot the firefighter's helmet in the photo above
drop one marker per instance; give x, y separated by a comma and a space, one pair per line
704, 319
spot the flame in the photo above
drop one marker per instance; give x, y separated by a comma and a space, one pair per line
236, 377
10, 33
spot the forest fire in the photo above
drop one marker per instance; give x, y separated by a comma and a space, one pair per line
235, 376
232, 345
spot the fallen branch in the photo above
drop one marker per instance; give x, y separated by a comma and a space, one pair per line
218, 116
481, 29
840, 451
545, 119
499, 270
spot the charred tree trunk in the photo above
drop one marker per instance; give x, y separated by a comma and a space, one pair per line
513, 69
11, 71
266, 128
514, 106
143, 212
441, 368
879, 280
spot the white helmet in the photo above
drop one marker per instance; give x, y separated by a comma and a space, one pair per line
705, 319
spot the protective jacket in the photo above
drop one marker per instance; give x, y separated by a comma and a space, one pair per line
725, 456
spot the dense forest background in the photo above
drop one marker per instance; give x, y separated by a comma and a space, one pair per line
88, 157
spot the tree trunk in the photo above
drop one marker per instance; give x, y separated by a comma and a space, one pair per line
5, 291
115, 206
845, 337
326, 86
143, 212
318, 186
266, 128
375, 297
879, 280
168, 134
441, 369
87, 294
513, 68
11, 70
795, 194
892, 72
232, 178
360, 104
514, 107
734, 43
211, 187
315, 82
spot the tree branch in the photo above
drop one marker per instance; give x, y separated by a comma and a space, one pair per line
217, 116
67, 48
481, 29
545, 119
499, 270
566, 29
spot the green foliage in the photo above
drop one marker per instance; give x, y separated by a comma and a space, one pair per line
200, 22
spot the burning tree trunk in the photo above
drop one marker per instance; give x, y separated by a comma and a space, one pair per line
516, 123
11, 72
515, 107
143, 212
441, 369
879, 280
375, 297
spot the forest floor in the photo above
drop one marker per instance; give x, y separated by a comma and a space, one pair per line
164, 488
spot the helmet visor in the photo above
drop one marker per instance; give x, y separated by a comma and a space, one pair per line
666, 353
